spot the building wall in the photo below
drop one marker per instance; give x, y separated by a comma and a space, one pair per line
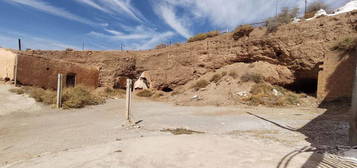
7, 64
336, 77
42, 72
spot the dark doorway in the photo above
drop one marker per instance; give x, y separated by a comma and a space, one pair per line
307, 86
71, 80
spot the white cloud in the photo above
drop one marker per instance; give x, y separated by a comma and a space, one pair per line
45, 7
115, 6
139, 37
167, 13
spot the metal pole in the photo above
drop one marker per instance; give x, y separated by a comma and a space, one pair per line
353, 122
277, 5
129, 84
15, 70
19, 44
59, 90
305, 7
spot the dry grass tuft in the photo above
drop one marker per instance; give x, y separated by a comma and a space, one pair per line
145, 93
254, 77
242, 31
269, 95
200, 84
17, 91
181, 131
76, 97
203, 36
233, 74
285, 17
347, 44
79, 97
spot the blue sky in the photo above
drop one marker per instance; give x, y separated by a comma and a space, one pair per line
135, 24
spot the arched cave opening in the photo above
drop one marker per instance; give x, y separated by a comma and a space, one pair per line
167, 89
306, 85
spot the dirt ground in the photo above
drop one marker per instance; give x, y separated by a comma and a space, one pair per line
33, 135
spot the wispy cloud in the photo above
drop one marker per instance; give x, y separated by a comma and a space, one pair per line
46, 7
139, 37
115, 6
10, 40
229, 13
168, 14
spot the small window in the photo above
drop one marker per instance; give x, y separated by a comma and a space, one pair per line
71, 80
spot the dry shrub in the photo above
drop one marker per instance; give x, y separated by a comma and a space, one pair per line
285, 17
243, 30
314, 7
79, 97
254, 77
42, 95
17, 91
110, 93
145, 93
203, 36
263, 94
200, 84
233, 74
346, 44
69, 49
161, 46
213, 33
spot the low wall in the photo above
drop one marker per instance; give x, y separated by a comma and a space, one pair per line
42, 72
7, 64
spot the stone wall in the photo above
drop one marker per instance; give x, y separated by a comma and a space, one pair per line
7, 64
42, 72
336, 77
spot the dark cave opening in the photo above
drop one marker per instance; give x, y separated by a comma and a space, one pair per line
306, 85
167, 89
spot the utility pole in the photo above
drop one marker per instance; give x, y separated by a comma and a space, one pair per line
277, 6
83, 46
121, 46
305, 7
19, 44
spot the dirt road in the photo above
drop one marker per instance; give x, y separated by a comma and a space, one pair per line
96, 137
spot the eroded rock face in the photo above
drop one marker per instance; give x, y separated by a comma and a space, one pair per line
296, 47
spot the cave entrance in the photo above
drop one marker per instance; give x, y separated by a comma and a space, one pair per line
71, 80
307, 86
167, 89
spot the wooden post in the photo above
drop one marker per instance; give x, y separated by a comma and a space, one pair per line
353, 122
129, 84
59, 90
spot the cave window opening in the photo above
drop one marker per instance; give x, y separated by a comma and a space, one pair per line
307, 86
167, 89
71, 80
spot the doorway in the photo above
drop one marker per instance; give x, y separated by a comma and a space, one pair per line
71, 80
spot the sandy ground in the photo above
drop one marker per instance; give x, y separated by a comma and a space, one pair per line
97, 136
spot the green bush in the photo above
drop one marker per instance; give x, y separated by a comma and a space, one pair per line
284, 17
241, 31
254, 77
200, 84
346, 44
145, 93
